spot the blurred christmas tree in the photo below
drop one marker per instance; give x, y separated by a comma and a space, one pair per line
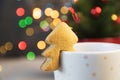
95, 18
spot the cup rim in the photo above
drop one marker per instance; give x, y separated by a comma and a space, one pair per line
94, 52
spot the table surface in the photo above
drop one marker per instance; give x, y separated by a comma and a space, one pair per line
22, 69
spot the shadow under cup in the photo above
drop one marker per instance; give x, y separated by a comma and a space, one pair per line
90, 61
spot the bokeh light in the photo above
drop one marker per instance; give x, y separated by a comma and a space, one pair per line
31, 56
1, 68
54, 14
22, 45
8, 46
37, 13
54, 23
48, 11
114, 17
2, 49
63, 17
28, 20
118, 20
98, 10
20, 11
44, 25
29, 31
22, 23
64, 10
41, 45
93, 12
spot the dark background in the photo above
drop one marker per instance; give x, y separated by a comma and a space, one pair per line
10, 31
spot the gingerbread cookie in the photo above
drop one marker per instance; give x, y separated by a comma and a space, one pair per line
62, 38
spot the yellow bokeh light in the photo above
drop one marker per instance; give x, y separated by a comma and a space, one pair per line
48, 11
37, 13
8, 46
64, 10
29, 31
114, 17
41, 45
52, 26
1, 68
2, 49
54, 23
54, 14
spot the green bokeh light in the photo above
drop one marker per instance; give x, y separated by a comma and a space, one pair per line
44, 25
22, 23
28, 20
31, 56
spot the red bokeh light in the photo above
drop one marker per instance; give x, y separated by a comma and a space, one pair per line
93, 12
98, 10
20, 11
22, 45
118, 20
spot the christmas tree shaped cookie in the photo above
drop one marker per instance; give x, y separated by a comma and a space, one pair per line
62, 38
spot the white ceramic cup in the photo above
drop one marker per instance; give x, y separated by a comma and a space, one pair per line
90, 61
